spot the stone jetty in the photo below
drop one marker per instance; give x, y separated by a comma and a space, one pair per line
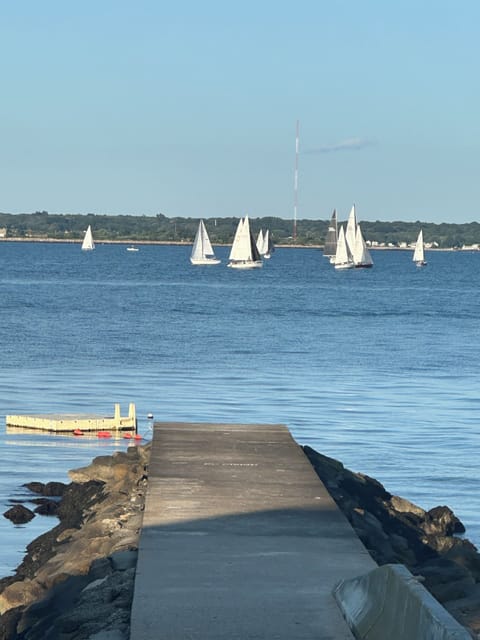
76, 581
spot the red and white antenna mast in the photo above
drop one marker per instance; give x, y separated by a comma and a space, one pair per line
295, 184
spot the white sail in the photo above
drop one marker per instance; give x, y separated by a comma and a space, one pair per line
361, 255
264, 244
268, 247
343, 256
351, 231
244, 253
88, 243
202, 250
260, 243
419, 253
236, 252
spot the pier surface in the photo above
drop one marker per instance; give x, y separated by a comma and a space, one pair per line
240, 539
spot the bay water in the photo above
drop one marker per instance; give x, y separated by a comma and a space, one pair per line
378, 367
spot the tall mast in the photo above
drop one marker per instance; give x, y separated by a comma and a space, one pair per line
295, 184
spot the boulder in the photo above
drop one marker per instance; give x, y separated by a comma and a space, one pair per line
19, 514
50, 489
441, 521
35, 487
46, 507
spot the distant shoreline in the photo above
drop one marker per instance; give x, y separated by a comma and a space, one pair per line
189, 243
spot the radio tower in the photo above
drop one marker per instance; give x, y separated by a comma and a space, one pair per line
295, 184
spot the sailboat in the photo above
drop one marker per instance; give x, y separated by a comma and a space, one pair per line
268, 245
260, 242
264, 244
88, 243
419, 253
343, 256
351, 230
202, 251
244, 253
330, 247
361, 255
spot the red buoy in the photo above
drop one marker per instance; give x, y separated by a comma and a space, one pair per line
77, 432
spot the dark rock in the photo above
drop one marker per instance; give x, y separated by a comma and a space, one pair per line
464, 553
467, 610
35, 487
46, 507
442, 570
442, 521
55, 489
454, 590
19, 514
51, 489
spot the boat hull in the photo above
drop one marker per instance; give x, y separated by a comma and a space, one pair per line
203, 261
345, 265
246, 264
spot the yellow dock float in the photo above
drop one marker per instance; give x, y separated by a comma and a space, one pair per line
67, 423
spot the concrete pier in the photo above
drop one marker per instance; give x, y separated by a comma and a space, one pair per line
240, 539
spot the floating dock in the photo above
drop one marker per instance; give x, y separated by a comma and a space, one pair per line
68, 423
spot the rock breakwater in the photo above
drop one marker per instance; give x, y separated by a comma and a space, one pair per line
394, 530
76, 581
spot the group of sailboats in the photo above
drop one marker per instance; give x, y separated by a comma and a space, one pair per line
264, 244
347, 249
246, 252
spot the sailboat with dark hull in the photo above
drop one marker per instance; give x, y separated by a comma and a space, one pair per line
330, 247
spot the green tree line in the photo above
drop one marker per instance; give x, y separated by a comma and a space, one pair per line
160, 228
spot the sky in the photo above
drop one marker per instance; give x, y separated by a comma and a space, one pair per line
190, 108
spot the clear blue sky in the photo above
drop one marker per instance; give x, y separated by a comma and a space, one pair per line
189, 108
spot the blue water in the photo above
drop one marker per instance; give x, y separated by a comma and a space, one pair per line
377, 368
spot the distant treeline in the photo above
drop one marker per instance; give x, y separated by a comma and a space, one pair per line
41, 224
